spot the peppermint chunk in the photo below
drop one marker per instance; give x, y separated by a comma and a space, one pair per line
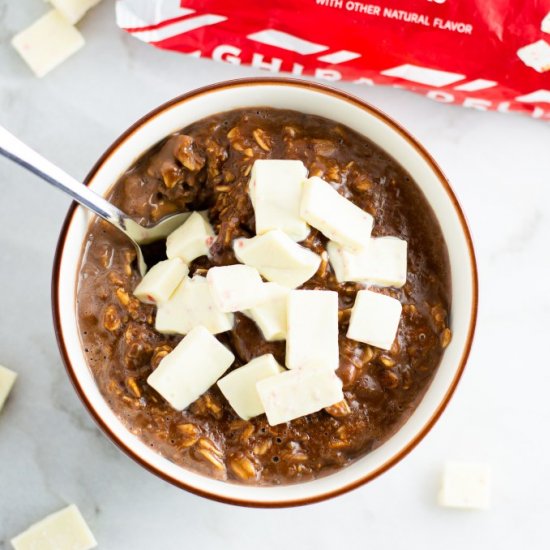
191, 240
239, 386
191, 305
161, 280
64, 530
465, 485
374, 319
270, 315
275, 190
190, 368
73, 10
278, 258
47, 42
295, 393
312, 331
536, 55
545, 23
235, 287
7, 380
382, 262
335, 216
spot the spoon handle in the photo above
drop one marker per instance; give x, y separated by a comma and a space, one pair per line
22, 154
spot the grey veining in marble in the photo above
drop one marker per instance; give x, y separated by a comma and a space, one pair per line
51, 453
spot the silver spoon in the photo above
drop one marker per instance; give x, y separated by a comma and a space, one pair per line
22, 154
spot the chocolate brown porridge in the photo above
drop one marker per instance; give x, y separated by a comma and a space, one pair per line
206, 166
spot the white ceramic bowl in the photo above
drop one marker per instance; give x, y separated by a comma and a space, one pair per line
317, 100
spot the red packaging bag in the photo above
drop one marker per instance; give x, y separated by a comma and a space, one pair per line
483, 54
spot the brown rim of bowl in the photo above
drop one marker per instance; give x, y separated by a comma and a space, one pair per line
473, 268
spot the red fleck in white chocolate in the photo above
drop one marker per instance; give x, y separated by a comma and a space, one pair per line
161, 280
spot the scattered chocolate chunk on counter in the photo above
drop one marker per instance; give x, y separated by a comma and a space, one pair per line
7, 380
63, 530
53, 38
465, 485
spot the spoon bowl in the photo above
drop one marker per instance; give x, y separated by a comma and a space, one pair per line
140, 235
15, 150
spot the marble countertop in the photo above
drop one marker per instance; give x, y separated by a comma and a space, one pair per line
51, 452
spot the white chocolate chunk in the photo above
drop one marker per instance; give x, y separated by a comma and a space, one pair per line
335, 216
270, 316
64, 530
545, 23
536, 55
7, 380
47, 42
161, 280
73, 10
191, 305
190, 368
374, 319
191, 240
382, 262
312, 331
295, 393
239, 386
465, 485
235, 287
278, 258
275, 190
344, 263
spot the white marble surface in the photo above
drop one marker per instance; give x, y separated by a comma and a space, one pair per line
51, 453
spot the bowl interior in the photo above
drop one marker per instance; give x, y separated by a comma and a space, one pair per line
365, 120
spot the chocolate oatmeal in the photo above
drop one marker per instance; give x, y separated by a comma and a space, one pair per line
206, 168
